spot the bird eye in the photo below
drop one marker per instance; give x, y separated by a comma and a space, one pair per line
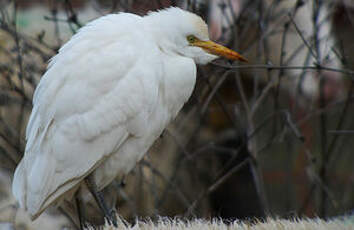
191, 38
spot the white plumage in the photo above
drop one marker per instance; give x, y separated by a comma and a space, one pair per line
106, 96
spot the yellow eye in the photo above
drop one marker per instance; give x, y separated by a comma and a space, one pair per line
191, 38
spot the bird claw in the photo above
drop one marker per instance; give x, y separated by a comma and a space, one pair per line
111, 219
86, 225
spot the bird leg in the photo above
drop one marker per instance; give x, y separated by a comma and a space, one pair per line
122, 182
108, 214
80, 211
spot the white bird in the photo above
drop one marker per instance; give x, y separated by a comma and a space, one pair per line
105, 98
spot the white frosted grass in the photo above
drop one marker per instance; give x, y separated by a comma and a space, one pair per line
164, 223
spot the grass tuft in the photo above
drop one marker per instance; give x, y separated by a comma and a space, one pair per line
163, 223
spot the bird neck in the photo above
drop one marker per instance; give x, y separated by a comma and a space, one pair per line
179, 82
162, 34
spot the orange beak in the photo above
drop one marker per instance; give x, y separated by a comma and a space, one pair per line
219, 50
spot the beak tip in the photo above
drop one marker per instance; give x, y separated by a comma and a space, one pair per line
243, 59
240, 58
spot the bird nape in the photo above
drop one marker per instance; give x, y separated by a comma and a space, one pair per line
105, 98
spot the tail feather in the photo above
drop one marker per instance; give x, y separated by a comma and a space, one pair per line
19, 186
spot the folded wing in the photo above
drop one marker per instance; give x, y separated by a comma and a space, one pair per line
82, 106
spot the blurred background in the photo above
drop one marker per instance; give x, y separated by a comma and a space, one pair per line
272, 137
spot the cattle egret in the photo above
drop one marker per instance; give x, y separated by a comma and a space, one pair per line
105, 98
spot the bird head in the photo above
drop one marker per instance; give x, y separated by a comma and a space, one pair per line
186, 34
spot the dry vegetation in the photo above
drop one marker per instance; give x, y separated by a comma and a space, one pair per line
217, 224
